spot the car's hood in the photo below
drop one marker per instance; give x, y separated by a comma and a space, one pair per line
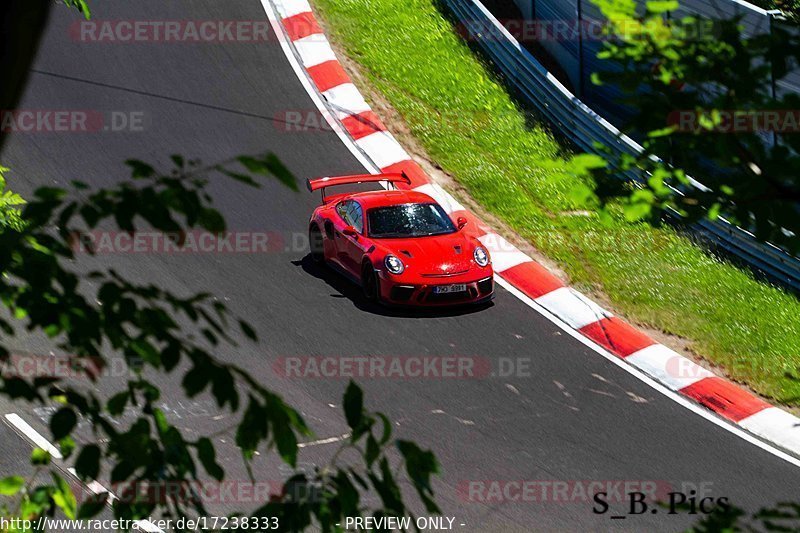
435, 255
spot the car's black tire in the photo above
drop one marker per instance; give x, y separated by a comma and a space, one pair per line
370, 284
315, 243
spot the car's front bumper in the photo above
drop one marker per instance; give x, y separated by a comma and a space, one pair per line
400, 292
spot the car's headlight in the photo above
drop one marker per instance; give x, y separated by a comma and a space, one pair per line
393, 264
481, 257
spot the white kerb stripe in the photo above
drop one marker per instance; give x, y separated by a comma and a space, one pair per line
34, 436
97, 488
313, 50
572, 307
668, 367
442, 197
776, 425
346, 100
383, 149
147, 525
290, 8
504, 254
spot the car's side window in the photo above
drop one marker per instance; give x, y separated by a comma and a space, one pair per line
352, 214
342, 210
357, 217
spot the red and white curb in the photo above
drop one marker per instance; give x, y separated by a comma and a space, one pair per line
302, 36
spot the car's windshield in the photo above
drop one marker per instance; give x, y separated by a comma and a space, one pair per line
408, 220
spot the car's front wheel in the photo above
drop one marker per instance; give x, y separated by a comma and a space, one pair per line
315, 243
370, 284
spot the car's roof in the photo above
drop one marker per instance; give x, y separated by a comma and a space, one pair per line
372, 199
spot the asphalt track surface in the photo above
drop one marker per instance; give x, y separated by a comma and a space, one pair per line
574, 418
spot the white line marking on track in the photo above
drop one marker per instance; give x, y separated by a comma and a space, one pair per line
329, 440
33, 435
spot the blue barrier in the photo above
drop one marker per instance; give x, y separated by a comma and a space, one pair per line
584, 127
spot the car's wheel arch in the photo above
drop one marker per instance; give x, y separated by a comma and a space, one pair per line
366, 262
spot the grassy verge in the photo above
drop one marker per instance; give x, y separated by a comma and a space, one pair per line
469, 125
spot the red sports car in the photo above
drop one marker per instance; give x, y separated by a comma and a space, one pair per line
399, 245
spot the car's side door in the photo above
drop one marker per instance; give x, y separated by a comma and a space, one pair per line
348, 247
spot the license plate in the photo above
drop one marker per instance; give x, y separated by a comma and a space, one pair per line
443, 289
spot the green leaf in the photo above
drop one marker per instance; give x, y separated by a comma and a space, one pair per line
196, 380
713, 211
50, 193
92, 506
81, 6
387, 428
282, 432
212, 220
40, 457
116, 404
63, 497
253, 428
353, 406
420, 465
372, 452
66, 446
242, 178
663, 132
63, 422
140, 169
280, 171
248, 330
146, 351
270, 165
207, 456
11, 485
588, 162
87, 466
662, 6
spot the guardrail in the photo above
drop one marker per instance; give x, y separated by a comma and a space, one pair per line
583, 126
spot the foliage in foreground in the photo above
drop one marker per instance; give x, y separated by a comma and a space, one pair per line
96, 313
703, 95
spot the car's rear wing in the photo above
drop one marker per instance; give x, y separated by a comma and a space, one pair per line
323, 183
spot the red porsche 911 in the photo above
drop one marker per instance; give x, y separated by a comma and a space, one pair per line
399, 245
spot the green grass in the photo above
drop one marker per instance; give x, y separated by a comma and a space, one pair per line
470, 126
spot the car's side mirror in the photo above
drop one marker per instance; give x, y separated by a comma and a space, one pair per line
461, 222
350, 231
